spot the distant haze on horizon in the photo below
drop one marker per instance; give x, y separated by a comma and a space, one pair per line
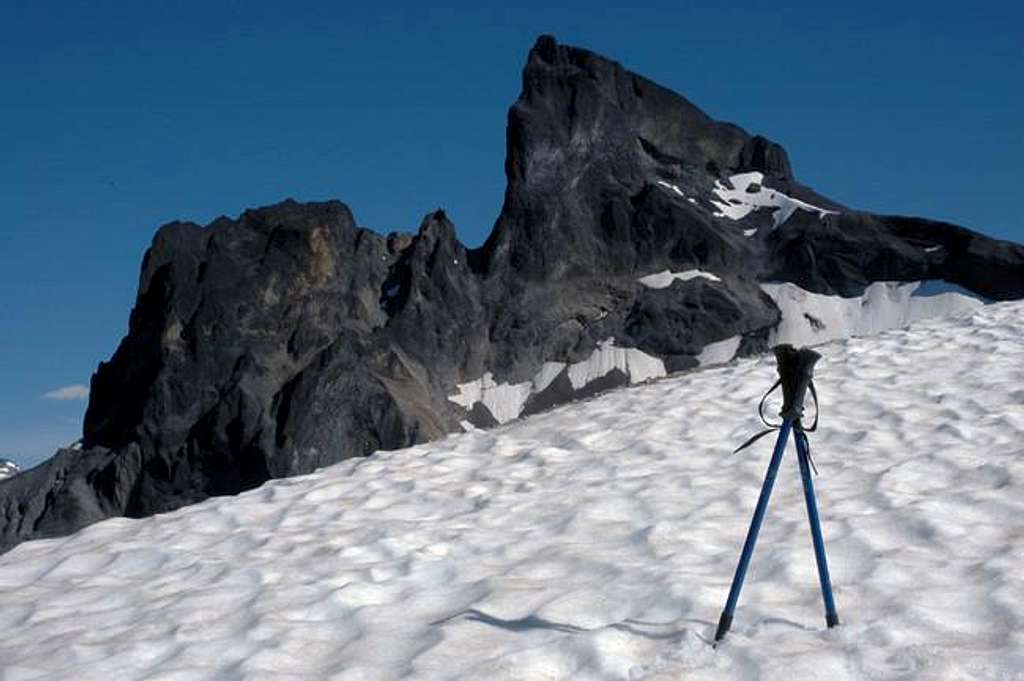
118, 119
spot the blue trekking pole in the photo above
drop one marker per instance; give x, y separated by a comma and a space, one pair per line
796, 370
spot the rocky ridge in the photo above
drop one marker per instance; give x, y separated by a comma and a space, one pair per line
636, 238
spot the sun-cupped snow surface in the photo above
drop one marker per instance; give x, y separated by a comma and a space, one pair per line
665, 278
812, 318
748, 194
593, 542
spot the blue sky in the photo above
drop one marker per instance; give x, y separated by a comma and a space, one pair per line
117, 118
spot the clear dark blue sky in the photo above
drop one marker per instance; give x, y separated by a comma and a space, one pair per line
116, 118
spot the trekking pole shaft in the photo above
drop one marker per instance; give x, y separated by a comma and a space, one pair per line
755, 526
831, 618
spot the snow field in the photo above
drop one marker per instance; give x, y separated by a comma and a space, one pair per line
595, 541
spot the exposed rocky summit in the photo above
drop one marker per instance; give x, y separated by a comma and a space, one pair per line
635, 239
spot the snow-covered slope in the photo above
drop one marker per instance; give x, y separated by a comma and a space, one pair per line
595, 541
8, 468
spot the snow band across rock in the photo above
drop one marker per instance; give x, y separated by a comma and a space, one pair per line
796, 373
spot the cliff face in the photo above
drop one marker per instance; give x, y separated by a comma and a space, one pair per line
290, 338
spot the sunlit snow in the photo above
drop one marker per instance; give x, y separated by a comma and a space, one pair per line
747, 194
807, 319
812, 318
594, 542
665, 278
719, 352
608, 357
668, 185
506, 401
8, 469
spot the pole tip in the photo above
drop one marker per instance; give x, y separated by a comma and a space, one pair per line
831, 619
723, 626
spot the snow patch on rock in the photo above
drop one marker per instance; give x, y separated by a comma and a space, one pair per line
630, 361
504, 400
665, 278
812, 318
719, 352
672, 187
747, 195
807, 319
547, 374
8, 469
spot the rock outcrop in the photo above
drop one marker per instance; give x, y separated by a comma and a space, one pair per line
635, 237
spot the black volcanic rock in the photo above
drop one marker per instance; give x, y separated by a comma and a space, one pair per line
291, 338
760, 153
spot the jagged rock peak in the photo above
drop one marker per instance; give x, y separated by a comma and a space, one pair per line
557, 71
586, 140
631, 243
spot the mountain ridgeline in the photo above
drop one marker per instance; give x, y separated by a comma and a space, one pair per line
291, 338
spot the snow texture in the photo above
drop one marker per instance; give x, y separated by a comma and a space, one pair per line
811, 318
595, 542
747, 194
665, 278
